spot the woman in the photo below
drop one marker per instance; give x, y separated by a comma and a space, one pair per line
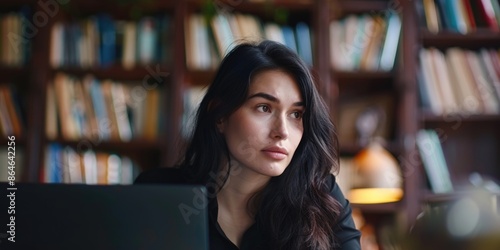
264, 147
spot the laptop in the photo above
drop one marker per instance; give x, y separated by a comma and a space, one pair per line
62, 216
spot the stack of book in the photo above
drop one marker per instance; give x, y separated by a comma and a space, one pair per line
460, 81
459, 16
65, 165
365, 42
107, 110
208, 40
100, 41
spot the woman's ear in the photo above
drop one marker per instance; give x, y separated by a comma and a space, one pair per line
221, 125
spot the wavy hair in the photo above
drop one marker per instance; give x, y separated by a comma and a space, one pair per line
302, 191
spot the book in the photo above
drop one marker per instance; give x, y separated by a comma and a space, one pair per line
90, 167
51, 114
304, 45
129, 44
484, 88
429, 84
433, 161
391, 42
431, 16
443, 82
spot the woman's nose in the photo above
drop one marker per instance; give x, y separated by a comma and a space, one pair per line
280, 129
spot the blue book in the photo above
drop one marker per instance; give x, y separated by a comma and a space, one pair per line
391, 42
107, 32
55, 164
304, 43
289, 37
451, 11
100, 109
444, 16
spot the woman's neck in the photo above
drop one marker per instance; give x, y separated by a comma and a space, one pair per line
234, 215
240, 187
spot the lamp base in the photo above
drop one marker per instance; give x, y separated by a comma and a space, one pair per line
375, 195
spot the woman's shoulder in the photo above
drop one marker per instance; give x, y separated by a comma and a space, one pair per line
169, 175
335, 191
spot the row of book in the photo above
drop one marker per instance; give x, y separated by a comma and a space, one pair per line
365, 42
463, 16
16, 32
460, 81
208, 40
105, 110
11, 119
65, 165
100, 41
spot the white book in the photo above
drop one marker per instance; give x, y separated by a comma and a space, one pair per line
74, 170
127, 173
121, 115
391, 42
430, 85
486, 93
90, 166
444, 84
273, 32
56, 42
129, 45
114, 169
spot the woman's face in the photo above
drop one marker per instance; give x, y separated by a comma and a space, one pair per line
263, 134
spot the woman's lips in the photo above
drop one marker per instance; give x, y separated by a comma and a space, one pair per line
275, 152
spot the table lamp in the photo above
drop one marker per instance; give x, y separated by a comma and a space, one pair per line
376, 173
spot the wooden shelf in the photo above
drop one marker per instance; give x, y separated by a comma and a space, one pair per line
341, 8
480, 39
127, 9
354, 148
258, 7
452, 118
117, 72
391, 207
363, 76
450, 197
363, 81
200, 77
17, 3
20, 142
13, 73
134, 145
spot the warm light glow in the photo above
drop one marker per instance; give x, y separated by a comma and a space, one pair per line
375, 195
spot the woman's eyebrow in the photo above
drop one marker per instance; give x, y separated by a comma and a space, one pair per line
271, 98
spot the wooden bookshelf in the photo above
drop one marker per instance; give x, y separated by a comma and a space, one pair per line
334, 85
470, 140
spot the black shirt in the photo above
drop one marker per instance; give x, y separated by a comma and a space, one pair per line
346, 233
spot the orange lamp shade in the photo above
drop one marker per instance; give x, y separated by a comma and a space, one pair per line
377, 177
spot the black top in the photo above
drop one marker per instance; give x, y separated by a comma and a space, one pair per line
346, 233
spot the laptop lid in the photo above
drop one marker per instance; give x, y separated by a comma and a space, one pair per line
59, 216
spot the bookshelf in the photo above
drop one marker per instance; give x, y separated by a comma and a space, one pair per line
469, 138
337, 86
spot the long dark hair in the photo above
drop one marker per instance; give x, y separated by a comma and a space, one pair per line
295, 209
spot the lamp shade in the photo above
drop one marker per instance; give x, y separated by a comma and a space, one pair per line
377, 176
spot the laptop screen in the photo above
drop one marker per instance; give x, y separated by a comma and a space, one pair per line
59, 216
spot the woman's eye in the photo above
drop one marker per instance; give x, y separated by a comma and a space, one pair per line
263, 108
297, 115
